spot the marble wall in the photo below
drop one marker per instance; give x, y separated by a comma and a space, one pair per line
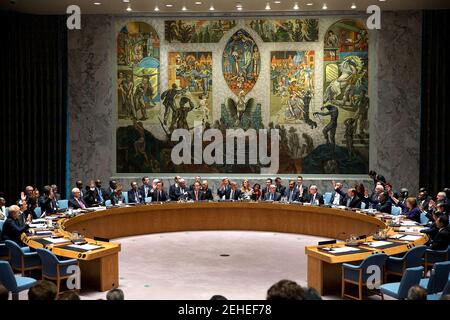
395, 57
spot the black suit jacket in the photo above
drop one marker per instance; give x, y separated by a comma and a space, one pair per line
295, 195
308, 198
74, 204
159, 197
174, 192
143, 193
354, 203
201, 195
305, 189
208, 194
100, 195
441, 241
221, 192
90, 198
384, 207
48, 206
341, 196
281, 190
132, 197
277, 196
12, 230
236, 195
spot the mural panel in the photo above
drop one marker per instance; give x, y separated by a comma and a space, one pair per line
293, 30
196, 31
241, 63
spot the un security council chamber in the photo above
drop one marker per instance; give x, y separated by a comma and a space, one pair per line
225, 150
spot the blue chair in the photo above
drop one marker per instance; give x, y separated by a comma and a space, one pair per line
395, 211
327, 197
433, 256
363, 205
423, 219
399, 290
1, 225
358, 274
13, 283
412, 258
22, 259
63, 204
38, 211
148, 199
438, 277
108, 203
55, 269
125, 196
445, 291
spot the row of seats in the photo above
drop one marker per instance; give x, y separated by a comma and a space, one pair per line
24, 260
409, 266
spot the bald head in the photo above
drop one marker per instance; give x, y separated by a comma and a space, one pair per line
14, 212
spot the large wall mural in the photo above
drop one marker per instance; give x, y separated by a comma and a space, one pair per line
293, 30
196, 31
323, 125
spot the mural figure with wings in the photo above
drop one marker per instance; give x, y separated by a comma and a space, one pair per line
237, 109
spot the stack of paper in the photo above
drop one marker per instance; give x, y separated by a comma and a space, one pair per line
411, 238
56, 240
377, 244
84, 246
343, 249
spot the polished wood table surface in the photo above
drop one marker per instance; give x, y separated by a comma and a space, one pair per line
100, 267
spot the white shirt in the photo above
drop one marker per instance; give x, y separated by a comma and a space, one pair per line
337, 199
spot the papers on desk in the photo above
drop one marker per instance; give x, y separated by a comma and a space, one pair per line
377, 244
396, 236
411, 238
408, 223
343, 249
38, 221
38, 225
86, 246
56, 240
43, 232
411, 229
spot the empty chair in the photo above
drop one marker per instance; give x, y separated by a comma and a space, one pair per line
433, 256
63, 204
55, 269
327, 197
438, 278
125, 196
395, 211
412, 258
399, 290
12, 283
445, 291
22, 259
358, 274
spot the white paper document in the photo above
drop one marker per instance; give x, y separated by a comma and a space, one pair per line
343, 249
377, 244
38, 225
396, 236
84, 246
37, 221
411, 238
408, 223
56, 240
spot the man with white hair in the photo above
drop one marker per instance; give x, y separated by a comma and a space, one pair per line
272, 194
12, 230
379, 189
313, 197
76, 202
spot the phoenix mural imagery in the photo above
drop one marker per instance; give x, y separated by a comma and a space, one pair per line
319, 134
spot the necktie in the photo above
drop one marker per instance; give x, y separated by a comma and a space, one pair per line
81, 204
348, 202
231, 194
136, 196
313, 199
196, 195
271, 196
100, 196
290, 195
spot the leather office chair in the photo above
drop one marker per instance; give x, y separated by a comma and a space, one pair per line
358, 274
22, 259
438, 277
412, 258
55, 269
63, 204
399, 290
12, 283
433, 256
445, 291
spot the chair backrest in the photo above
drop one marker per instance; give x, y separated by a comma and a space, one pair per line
414, 256
6, 212
148, 199
410, 278
327, 197
1, 225
7, 277
377, 259
107, 203
395, 211
446, 288
15, 253
423, 218
49, 261
63, 204
439, 277
125, 196
38, 211
363, 205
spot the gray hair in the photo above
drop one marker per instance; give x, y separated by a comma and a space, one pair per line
115, 294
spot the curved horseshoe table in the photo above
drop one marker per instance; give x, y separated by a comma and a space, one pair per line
102, 267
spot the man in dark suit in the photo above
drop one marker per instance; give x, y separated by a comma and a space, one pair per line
350, 200
174, 189
12, 230
207, 191
110, 192
234, 193
302, 189
313, 197
280, 188
76, 202
47, 202
224, 188
159, 195
55, 192
79, 185
145, 189
337, 196
384, 203
99, 192
196, 194
272, 194
196, 179
442, 239
133, 194
423, 200
266, 188
292, 192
